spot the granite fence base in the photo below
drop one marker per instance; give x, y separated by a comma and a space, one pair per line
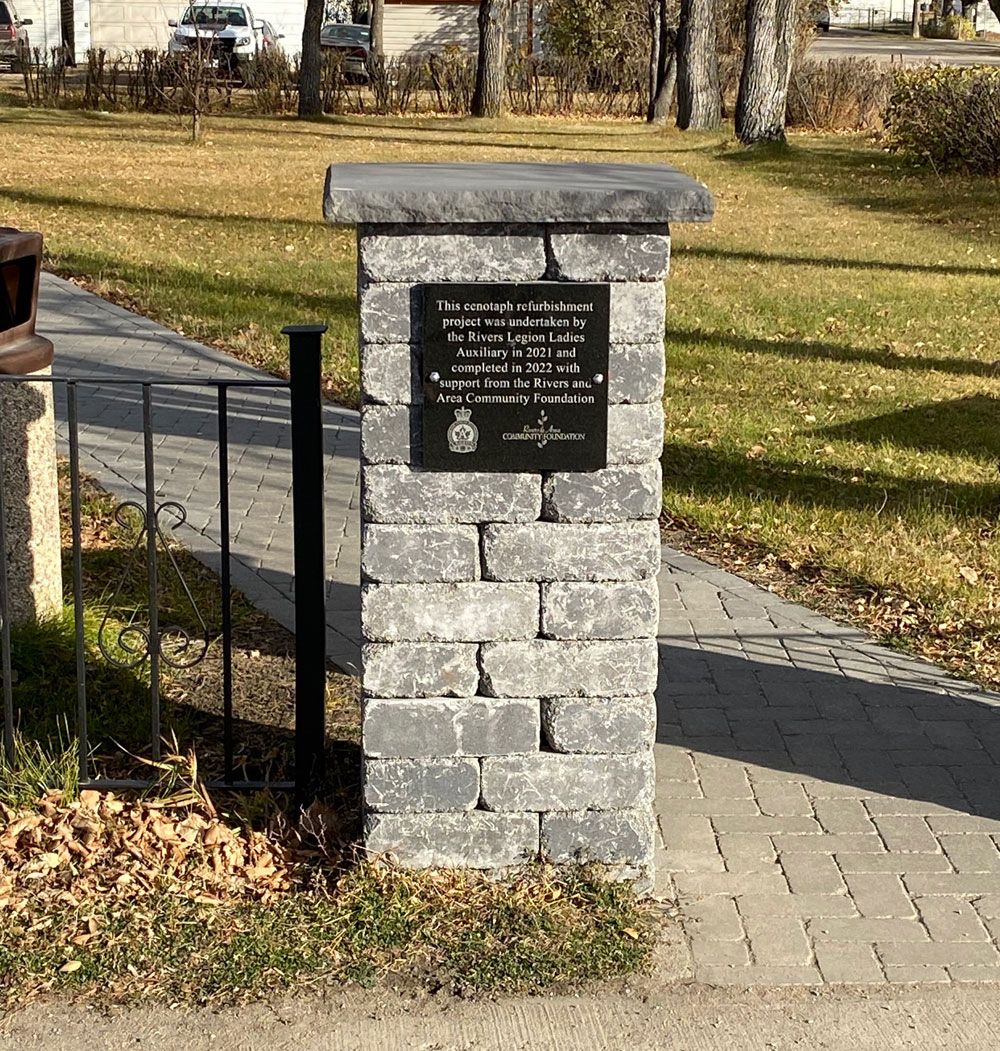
509, 620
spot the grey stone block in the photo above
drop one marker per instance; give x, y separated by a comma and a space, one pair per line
390, 374
638, 312
420, 669
571, 551
612, 837
616, 610
395, 785
635, 433
475, 839
549, 781
444, 726
448, 253
544, 668
631, 254
391, 312
610, 495
399, 494
412, 554
472, 612
599, 724
636, 372
518, 192
390, 434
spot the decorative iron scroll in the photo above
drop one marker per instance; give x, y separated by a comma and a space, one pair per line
176, 646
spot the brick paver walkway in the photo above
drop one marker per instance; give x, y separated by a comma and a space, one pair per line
829, 809
97, 338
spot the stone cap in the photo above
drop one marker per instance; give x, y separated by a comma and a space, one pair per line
514, 193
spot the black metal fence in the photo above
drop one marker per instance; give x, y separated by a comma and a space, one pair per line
147, 644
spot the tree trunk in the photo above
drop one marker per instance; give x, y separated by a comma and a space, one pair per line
699, 103
995, 7
310, 102
915, 21
763, 96
376, 20
491, 67
662, 63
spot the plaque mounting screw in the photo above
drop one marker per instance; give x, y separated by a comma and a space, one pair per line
435, 377
598, 379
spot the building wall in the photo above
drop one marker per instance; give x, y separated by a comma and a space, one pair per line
415, 27
46, 32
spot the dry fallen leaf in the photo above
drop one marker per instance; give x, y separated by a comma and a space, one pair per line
70, 966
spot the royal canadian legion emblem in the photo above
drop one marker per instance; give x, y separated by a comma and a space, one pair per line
463, 434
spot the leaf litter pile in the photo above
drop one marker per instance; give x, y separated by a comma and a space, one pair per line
125, 899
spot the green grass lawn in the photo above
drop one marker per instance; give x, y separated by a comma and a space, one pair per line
833, 337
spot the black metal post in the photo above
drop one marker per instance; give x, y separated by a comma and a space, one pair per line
309, 538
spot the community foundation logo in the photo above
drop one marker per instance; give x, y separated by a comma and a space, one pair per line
542, 433
463, 434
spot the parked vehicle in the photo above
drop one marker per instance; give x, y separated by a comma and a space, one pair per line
231, 33
353, 42
270, 38
13, 35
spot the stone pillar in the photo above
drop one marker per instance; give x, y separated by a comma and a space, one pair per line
509, 619
31, 494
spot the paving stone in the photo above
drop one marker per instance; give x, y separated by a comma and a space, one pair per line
843, 816
828, 843
908, 835
888, 863
720, 953
778, 941
971, 853
777, 799
868, 929
747, 852
806, 906
812, 874
950, 919
941, 954
699, 884
848, 963
880, 895
914, 973
713, 920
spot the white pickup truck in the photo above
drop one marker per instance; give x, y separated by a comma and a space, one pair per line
230, 31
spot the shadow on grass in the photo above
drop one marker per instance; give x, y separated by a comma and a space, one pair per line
836, 263
713, 473
875, 180
799, 351
967, 426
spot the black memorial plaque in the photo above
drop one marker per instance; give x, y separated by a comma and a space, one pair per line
515, 377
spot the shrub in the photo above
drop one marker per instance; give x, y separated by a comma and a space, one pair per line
951, 27
949, 117
847, 94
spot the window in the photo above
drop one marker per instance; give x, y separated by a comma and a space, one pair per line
215, 16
